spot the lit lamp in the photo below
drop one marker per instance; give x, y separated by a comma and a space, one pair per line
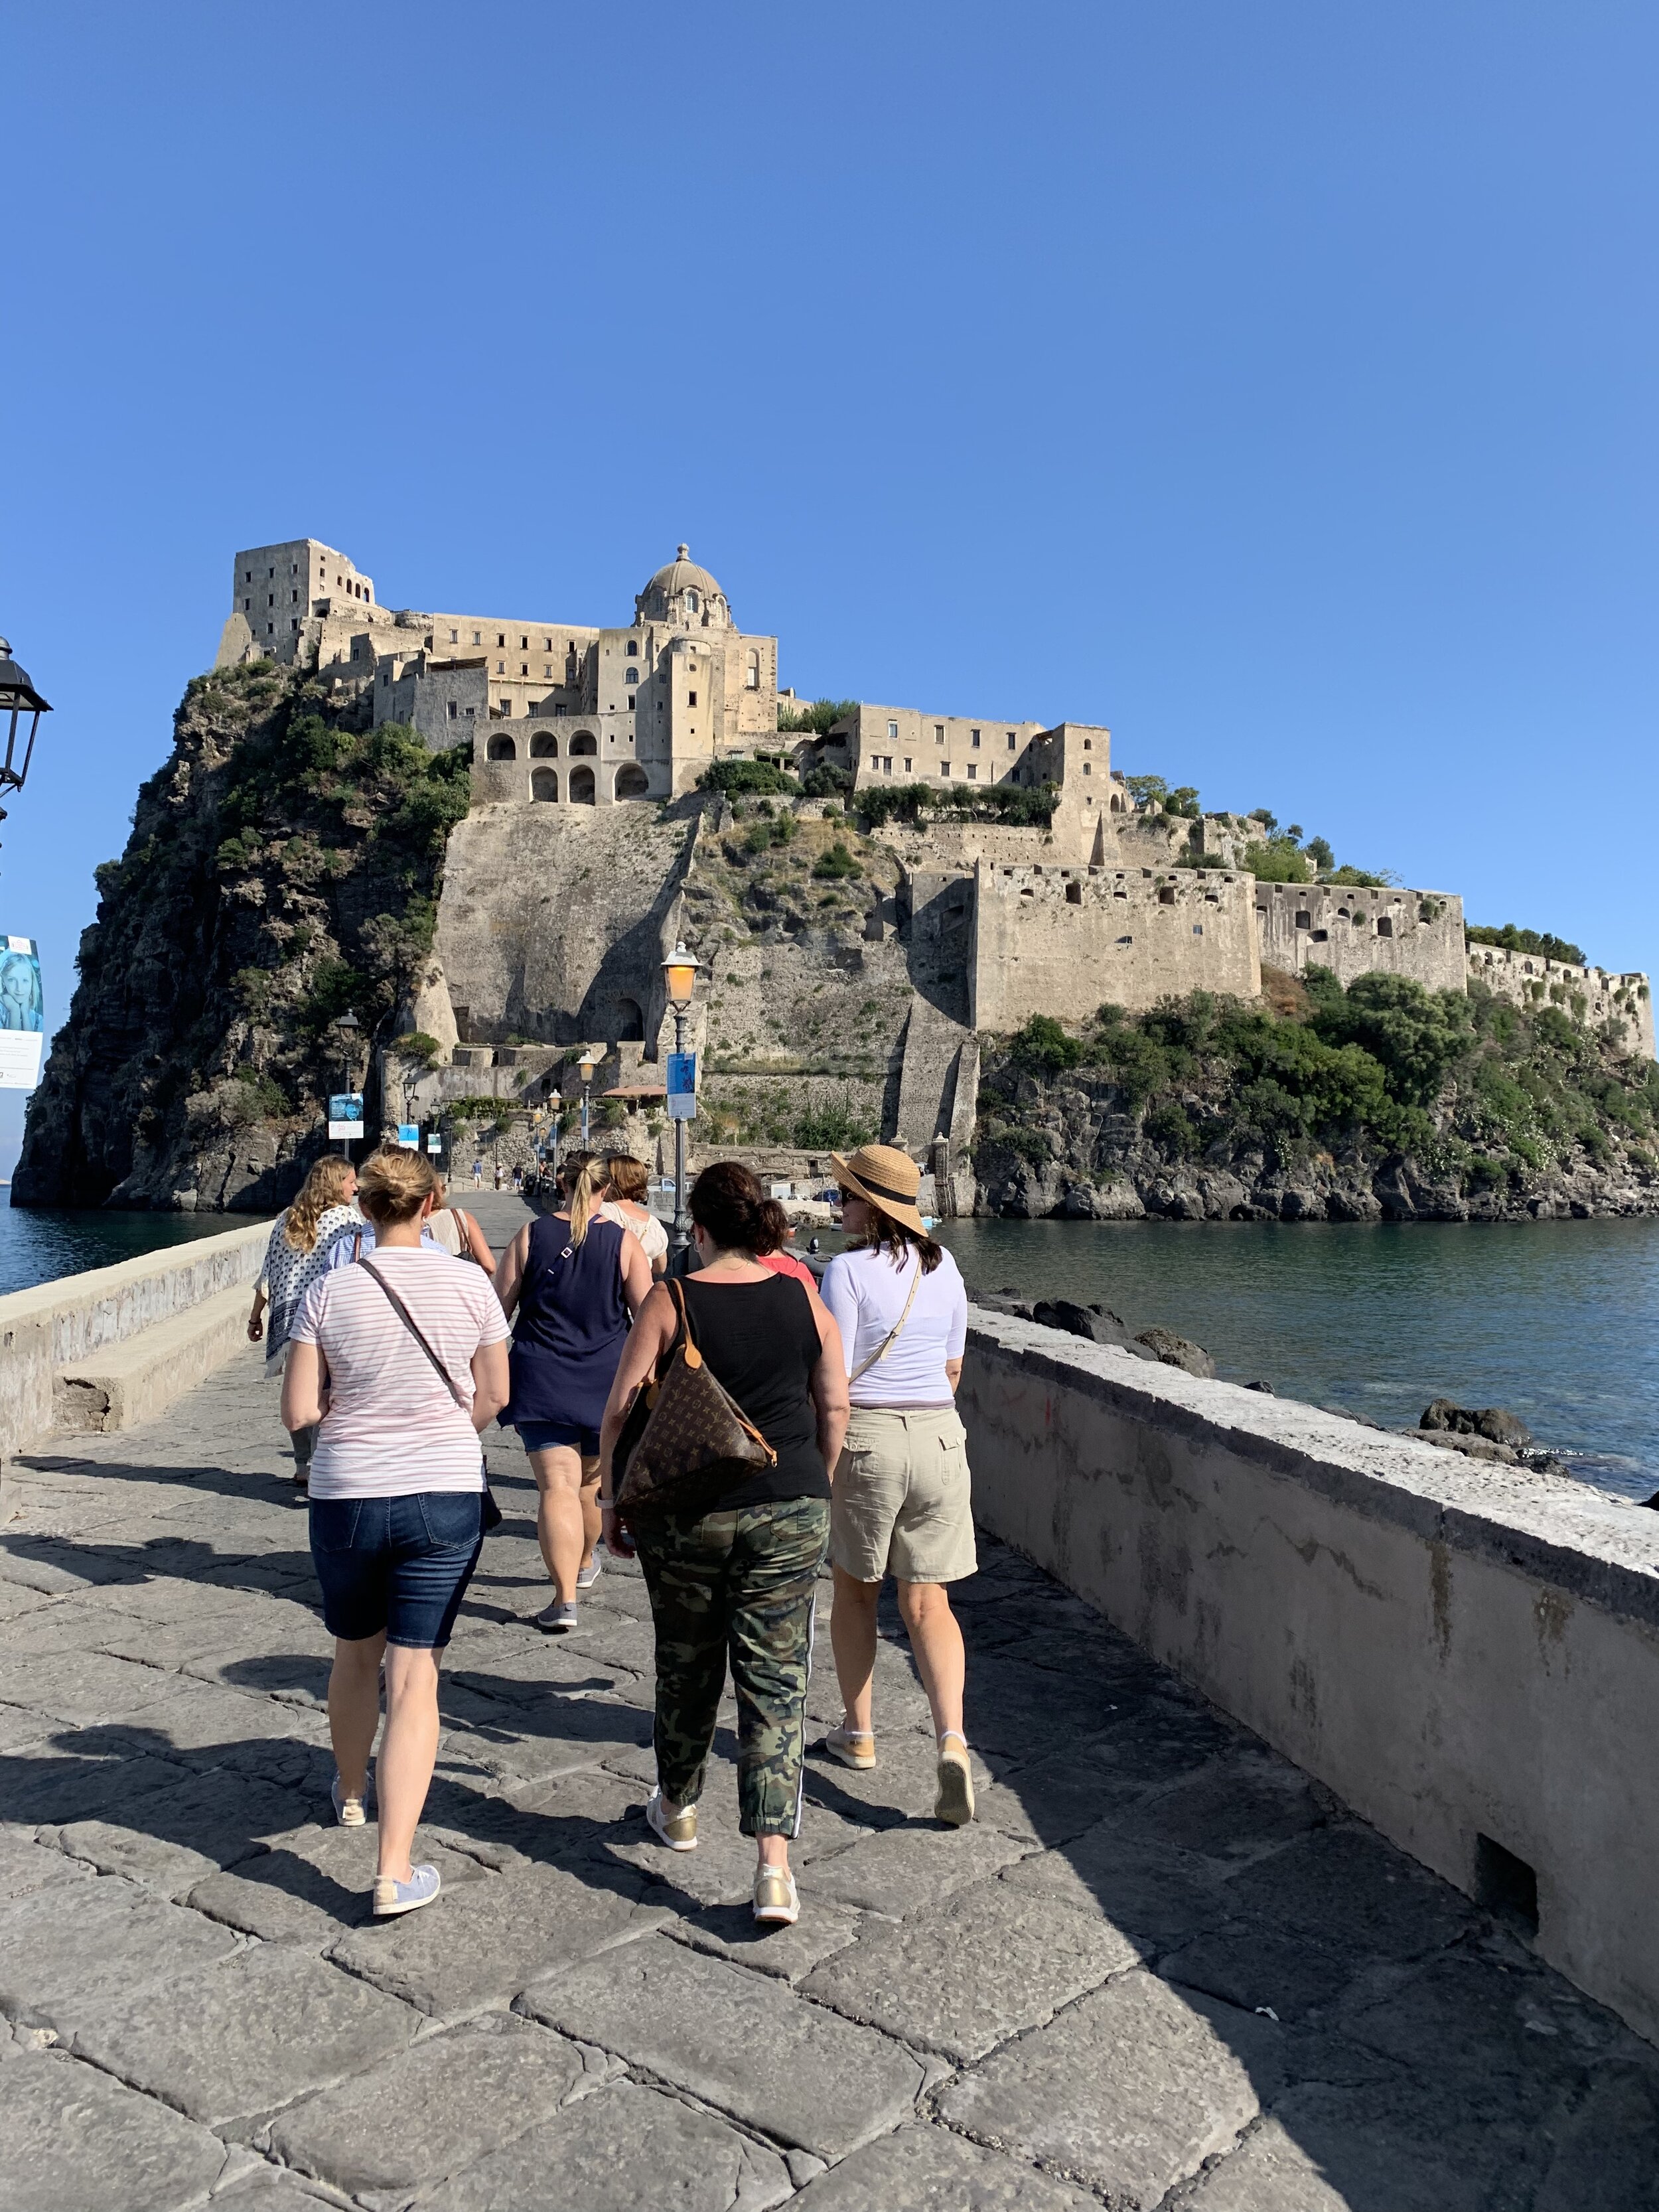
349, 1027
20, 702
680, 976
554, 1102
584, 1067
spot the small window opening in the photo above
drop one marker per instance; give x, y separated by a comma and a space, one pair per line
1166, 895
1303, 918
1074, 894
1385, 925
1505, 1885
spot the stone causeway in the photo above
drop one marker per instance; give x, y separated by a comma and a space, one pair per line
1162, 1969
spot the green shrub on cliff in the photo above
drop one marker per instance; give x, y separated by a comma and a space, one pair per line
1471, 1087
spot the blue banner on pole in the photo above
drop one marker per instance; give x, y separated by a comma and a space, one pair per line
682, 1086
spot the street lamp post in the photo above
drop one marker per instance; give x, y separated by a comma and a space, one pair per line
584, 1067
680, 974
20, 702
555, 1103
348, 1026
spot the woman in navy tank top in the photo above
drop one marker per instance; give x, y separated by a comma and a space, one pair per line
570, 1283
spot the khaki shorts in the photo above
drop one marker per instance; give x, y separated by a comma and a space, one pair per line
902, 1500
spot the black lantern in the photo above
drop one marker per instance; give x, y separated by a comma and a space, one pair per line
19, 702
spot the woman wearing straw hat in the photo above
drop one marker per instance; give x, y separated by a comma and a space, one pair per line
901, 1503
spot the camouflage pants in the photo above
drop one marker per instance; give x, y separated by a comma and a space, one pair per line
740, 1582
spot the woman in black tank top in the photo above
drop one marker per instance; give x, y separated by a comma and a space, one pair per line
740, 1581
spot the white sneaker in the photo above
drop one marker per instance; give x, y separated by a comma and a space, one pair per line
349, 1812
679, 1831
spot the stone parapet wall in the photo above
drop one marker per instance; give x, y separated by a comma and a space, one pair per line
68, 1323
1594, 995
1065, 940
1467, 1655
1359, 931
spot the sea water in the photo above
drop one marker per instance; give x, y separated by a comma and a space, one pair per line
1558, 1320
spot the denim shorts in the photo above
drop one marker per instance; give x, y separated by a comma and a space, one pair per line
396, 1563
544, 1436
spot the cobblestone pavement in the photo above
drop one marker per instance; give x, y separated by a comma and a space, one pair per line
1161, 1970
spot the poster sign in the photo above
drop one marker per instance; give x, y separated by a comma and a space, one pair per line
682, 1086
345, 1114
434, 1143
409, 1136
22, 1014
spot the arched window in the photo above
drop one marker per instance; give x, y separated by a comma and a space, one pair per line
583, 741
503, 748
543, 783
632, 677
632, 782
581, 787
751, 674
543, 747
633, 648
691, 602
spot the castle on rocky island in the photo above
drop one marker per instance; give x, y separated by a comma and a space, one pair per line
562, 892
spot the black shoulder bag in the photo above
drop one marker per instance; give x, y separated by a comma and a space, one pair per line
490, 1514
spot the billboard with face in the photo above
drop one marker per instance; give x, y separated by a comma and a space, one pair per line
22, 1014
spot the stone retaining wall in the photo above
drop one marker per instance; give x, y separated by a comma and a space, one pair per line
77, 1321
1467, 1655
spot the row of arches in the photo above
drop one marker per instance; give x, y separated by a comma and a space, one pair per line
631, 782
542, 746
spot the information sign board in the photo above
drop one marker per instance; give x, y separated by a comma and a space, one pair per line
22, 1014
345, 1114
682, 1086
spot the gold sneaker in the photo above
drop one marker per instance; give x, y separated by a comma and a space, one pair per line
854, 1747
679, 1833
777, 1901
954, 1804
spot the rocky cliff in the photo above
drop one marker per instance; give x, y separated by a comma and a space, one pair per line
283, 866
1382, 1100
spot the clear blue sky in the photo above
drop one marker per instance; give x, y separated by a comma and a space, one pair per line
1274, 384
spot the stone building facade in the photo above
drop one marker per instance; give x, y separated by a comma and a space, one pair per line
555, 916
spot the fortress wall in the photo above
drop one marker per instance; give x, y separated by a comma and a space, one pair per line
1594, 995
1065, 940
779, 999
1467, 1655
1358, 933
552, 919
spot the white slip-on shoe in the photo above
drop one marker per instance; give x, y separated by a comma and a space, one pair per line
349, 1812
679, 1831
557, 1619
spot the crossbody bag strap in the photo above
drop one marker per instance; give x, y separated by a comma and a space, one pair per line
413, 1328
893, 1333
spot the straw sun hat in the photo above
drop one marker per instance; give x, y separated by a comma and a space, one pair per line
888, 1178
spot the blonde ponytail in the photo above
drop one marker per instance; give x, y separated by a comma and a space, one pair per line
586, 1193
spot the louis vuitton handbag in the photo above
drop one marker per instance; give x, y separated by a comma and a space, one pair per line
686, 1441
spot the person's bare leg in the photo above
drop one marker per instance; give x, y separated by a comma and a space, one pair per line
852, 1640
558, 1473
936, 1641
353, 1707
774, 1852
409, 1751
593, 1521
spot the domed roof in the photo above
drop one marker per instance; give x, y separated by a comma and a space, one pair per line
683, 573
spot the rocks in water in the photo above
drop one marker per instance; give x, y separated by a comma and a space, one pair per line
1097, 1323
1174, 1351
1265, 1389
1495, 1423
